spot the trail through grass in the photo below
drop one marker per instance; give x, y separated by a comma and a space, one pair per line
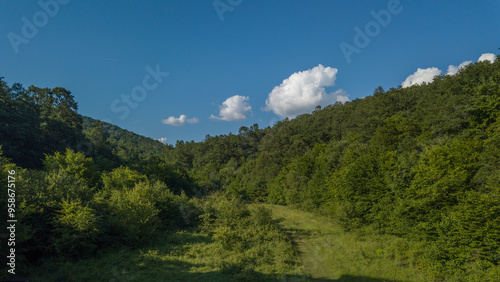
329, 253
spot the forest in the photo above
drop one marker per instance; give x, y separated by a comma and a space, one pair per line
416, 166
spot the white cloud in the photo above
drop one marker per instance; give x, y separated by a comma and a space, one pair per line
193, 120
341, 96
180, 121
421, 76
303, 91
427, 75
452, 70
233, 109
487, 57
162, 140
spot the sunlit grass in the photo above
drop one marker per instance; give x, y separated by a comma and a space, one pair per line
328, 252
180, 256
321, 251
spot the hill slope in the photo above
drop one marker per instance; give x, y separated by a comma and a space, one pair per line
126, 144
420, 163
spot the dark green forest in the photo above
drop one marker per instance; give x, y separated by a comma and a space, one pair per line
420, 163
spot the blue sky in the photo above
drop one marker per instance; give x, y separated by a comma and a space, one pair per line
192, 68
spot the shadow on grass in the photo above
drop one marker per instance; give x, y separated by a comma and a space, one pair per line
179, 271
127, 268
152, 262
355, 278
297, 235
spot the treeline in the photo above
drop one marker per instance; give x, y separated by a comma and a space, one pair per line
38, 121
420, 162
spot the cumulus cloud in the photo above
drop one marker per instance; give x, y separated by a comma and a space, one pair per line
421, 76
303, 91
180, 121
427, 75
162, 140
452, 70
487, 57
341, 96
233, 109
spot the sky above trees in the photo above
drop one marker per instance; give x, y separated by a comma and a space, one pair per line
178, 71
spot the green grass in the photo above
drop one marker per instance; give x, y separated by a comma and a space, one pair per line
329, 253
180, 256
316, 250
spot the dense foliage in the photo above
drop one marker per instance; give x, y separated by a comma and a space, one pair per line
421, 163
37, 121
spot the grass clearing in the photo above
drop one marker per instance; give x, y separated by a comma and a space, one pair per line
318, 251
327, 252
181, 256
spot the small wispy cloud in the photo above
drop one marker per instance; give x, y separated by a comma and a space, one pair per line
180, 121
162, 140
193, 120
235, 108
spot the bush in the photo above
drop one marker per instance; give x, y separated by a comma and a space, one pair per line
122, 178
52, 207
76, 229
245, 239
65, 186
73, 164
221, 210
134, 215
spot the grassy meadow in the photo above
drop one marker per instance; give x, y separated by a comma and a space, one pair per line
312, 249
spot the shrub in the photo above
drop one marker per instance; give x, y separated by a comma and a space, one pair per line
122, 178
74, 164
76, 229
134, 214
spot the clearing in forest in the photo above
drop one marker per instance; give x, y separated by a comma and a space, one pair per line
328, 253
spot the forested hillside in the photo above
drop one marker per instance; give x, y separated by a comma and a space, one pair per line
38, 121
420, 164
123, 143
